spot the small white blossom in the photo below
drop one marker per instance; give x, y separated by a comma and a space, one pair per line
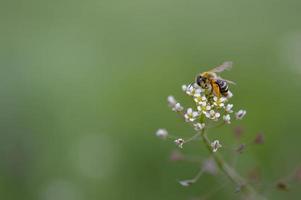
190, 115
227, 119
240, 114
192, 90
171, 101
228, 108
162, 133
177, 107
213, 115
215, 145
219, 101
186, 183
198, 92
204, 108
199, 126
200, 99
179, 142
229, 94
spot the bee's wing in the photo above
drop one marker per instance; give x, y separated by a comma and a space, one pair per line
228, 81
225, 66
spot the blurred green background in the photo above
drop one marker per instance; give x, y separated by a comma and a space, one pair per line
84, 87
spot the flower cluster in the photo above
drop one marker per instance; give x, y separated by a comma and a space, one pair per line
208, 106
209, 110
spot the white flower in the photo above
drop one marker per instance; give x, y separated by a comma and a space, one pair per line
198, 92
227, 119
229, 94
204, 108
200, 99
228, 108
190, 115
213, 115
219, 101
179, 142
162, 133
199, 126
175, 106
192, 90
171, 101
240, 114
215, 145
186, 183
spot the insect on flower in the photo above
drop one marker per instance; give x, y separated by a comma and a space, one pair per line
210, 79
211, 109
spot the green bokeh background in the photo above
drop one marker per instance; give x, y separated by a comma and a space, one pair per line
84, 87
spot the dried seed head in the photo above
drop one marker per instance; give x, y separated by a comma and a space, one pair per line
240, 148
259, 139
298, 174
238, 131
176, 156
281, 185
254, 175
209, 166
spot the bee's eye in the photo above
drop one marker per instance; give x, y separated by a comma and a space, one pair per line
199, 80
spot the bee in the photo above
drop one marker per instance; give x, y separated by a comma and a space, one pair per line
211, 81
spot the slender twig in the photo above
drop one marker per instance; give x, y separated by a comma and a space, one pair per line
246, 189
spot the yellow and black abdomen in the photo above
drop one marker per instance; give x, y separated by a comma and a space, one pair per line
223, 86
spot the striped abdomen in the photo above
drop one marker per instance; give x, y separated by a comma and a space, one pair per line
223, 86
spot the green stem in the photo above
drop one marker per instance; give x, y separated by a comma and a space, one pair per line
247, 190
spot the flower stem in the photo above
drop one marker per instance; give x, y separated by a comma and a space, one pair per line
248, 191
